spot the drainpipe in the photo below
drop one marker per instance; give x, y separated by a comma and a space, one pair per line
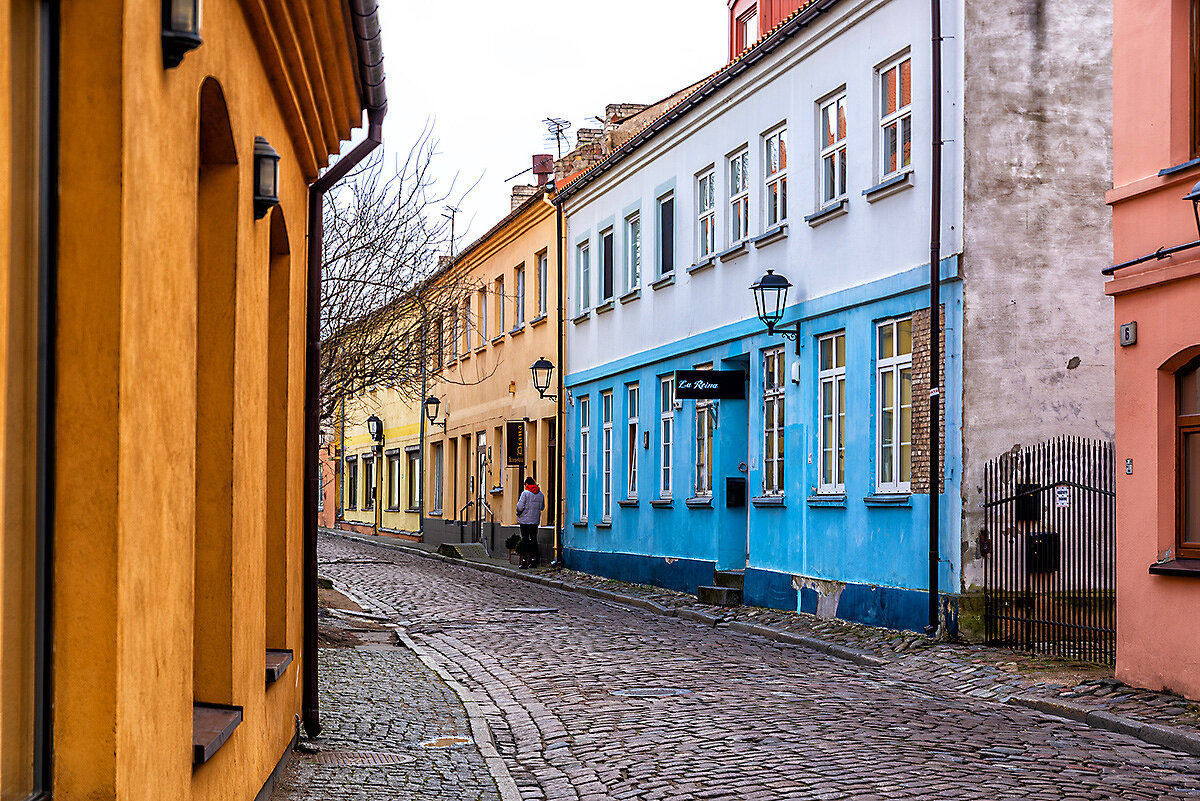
935, 324
560, 427
421, 434
365, 25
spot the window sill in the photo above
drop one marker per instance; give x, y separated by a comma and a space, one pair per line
888, 187
536, 321
888, 499
277, 664
581, 524
632, 294
413, 509
1187, 165
704, 502
211, 726
464, 357
581, 317
703, 264
663, 503
606, 306
518, 330
665, 281
496, 340
627, 503
481, 348
842, 207
604, 524
733, 252
495, 490
768, 501
394, 509
434, 513
827, 500
774, 235
1177, 567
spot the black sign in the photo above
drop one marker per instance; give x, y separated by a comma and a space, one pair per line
710, 384
515, 451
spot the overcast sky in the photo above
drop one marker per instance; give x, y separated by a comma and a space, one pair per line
487, 74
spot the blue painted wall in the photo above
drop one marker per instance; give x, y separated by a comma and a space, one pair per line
879, 552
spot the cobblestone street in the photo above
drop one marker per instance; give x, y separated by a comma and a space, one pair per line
588, 700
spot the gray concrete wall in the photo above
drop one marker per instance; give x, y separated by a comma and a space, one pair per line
1038, 348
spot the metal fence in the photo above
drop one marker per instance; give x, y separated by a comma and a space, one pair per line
1048, 547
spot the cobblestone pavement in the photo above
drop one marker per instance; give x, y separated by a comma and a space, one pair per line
597, 701
379, 704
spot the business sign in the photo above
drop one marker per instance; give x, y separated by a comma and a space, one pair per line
710, 384
1062, 497
515, 436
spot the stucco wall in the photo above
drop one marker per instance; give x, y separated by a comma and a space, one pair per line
1037, 345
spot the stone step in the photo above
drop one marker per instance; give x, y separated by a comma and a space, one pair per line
463, 550
734, 579
719, 596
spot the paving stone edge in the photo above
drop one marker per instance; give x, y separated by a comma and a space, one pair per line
1166, 736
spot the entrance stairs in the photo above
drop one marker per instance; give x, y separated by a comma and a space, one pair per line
726, 590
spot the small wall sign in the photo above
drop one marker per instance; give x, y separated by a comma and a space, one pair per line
710, 384
515, 434
1062, 497
1128, 334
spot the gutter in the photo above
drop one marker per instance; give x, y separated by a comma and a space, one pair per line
364, 25
560, 500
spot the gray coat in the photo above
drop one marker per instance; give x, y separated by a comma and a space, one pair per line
529, 508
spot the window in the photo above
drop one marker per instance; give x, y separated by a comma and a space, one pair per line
895, 117
584, 270
393, 497
666, 431
894, 412
606, 265
1187, 426
739, 197
666, 234
775, 170
606, 418
585, 431
414, 478
542, 266
747, 30
500, 301
454, 335
439, 344
706, 215
833, 150
519, 301
352, 482
466, 326
368, 463
832, 411
633, 252
321, 491
483, 317
438, 483
631, 415
704, 444
774, 363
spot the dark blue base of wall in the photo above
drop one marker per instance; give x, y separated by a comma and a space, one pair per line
681, 575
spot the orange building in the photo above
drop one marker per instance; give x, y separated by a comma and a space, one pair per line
162, 163
1156, 294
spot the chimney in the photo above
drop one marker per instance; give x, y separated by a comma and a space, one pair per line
543, 168
522, 193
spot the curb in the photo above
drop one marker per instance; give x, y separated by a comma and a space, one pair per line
835, 650
1153, 733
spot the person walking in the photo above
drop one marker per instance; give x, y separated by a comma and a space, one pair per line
529, 515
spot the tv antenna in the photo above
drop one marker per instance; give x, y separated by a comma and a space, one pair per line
558, 128
449, 214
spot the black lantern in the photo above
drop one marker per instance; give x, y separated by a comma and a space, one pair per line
266, 177
375, 428
542, 371
432, 405
770, 299
1194, 196
180, 30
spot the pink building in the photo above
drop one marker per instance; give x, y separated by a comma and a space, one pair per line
1156, 294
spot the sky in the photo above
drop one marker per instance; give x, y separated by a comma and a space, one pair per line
486, 73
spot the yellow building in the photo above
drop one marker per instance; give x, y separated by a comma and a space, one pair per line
154, 566
487, 401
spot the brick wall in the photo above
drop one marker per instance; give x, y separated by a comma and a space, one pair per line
920, 397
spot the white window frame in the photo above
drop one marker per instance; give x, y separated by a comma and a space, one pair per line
583, 273
608, 264
350, 478
775, 177
501, 300
585, 432
749, 35
900, 118
454, 336
831, 152
890, 375
739, 196
831, 467
543, 261
774, 411
482, 294
606, 420
633, 251
705, 441
661, 239
519, 299
412, 462
632, 419
466, 331
666, 435
706, 214
369, 480
393, 464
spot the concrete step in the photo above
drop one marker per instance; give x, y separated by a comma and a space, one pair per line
734, 579
719, 596
462, 550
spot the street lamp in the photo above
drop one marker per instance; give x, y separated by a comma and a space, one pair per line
375, 429
180, 30
542, 371
266, 177
432, 404
1194, 196
770, 300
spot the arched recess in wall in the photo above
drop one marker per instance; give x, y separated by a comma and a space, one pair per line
278, 393
216, 307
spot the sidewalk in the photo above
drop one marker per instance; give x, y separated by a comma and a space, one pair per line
1083, 692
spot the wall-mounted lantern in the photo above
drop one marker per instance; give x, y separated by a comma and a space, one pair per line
180, 30
375, 429
543, 371
266, 177
770, 300
1194, 196
432, 405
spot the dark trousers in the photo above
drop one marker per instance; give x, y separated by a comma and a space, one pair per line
529, 543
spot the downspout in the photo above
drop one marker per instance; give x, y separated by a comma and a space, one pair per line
365, 26
421, 434
559, 433
935, 323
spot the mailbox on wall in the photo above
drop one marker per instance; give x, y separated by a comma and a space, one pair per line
735, 492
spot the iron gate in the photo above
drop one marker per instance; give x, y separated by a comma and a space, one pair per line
1048, 547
